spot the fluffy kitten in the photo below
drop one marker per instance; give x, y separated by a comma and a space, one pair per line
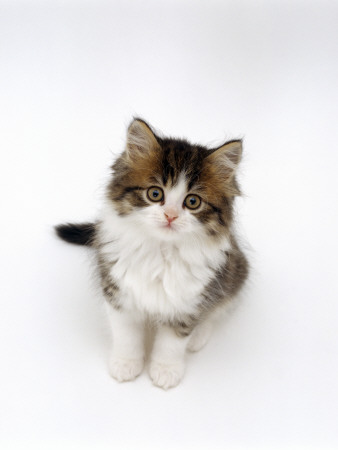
165, 248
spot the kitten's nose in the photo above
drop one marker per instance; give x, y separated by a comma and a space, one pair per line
171, 214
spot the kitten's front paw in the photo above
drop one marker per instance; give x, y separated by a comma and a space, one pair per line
125, 369
199, 338
166, 375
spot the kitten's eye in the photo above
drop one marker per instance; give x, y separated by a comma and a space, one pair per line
192, 201
155, 194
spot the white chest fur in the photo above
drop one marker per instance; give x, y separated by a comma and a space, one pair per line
160, 278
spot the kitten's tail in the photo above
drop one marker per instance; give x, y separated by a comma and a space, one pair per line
80, 234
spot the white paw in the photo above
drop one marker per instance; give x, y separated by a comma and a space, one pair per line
166, 375
125, 369
198, 339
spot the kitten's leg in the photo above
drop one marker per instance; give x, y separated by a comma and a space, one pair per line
127, 358
202, 332
167, 359
200, 335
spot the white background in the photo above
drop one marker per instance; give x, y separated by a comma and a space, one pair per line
72, 76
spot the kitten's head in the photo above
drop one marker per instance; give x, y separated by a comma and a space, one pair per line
170, 187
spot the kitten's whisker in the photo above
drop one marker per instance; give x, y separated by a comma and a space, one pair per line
101, 244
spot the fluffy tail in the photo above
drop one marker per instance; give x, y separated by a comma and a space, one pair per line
80, 234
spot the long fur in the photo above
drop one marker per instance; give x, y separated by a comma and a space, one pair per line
79, 234
175, 274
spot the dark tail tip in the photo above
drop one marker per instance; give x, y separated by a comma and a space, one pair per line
80, 234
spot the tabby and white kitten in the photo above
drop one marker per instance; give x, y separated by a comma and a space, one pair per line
165, 247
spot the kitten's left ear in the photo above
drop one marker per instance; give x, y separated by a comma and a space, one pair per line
140, 139
227, 156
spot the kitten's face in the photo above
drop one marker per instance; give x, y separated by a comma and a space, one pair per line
171, 210
170, 188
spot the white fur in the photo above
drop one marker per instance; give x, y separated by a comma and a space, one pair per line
158, 277
200, 335
127, 358
167, 360
161, 272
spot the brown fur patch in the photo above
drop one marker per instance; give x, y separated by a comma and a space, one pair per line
151, 160
228, 280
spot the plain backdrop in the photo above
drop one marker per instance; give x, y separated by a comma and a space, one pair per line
72, 75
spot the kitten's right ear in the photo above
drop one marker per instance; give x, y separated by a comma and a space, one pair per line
140, 139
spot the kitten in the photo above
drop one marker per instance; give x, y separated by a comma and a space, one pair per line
166, 250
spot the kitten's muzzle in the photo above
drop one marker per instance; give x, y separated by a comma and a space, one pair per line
170, 213
170, 219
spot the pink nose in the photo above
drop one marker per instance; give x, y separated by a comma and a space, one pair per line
171, 214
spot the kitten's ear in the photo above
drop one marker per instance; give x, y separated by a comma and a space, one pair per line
140, 139
228, 156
